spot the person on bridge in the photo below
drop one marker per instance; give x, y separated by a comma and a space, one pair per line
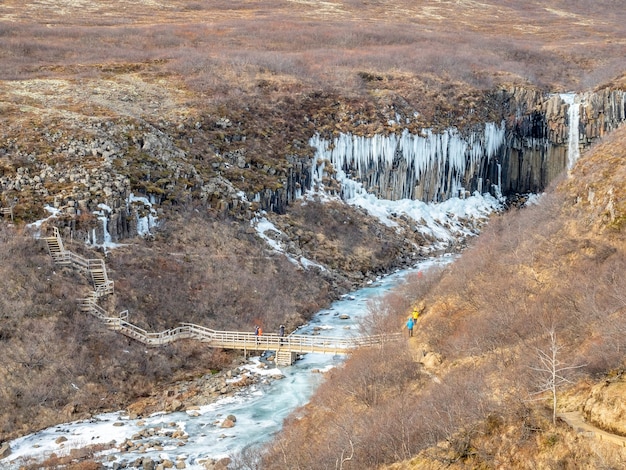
281, 333
257, 333
409, 326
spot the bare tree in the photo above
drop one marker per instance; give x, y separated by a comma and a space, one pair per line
551, 371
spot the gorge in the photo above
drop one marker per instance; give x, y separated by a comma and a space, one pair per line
247, 163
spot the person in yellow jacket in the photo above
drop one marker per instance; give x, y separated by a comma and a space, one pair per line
415, 314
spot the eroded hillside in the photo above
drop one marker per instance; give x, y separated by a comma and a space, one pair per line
472, 389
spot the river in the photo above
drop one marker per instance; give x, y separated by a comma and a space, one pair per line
259, 409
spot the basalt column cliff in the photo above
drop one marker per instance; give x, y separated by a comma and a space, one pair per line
537, 136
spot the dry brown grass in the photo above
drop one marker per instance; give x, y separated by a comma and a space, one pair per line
281, 70
198, 268
559, 265
212, 273
57, 362
223, 48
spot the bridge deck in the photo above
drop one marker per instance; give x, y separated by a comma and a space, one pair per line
247, 341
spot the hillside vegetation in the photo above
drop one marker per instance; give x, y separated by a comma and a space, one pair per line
193, 104
61, 364
470, 390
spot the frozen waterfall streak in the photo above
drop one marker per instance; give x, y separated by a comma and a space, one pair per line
429, 167
245, 341
573, 136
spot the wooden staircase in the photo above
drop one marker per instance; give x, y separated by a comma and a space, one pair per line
95, 268
56, 249
101, 282
287, 347
4, 211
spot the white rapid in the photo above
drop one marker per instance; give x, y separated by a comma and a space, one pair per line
259, 409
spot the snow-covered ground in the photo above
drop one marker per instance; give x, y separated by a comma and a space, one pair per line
444, 223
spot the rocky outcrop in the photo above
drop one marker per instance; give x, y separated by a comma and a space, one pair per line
538, 132
606, 408
5, 450
89, 176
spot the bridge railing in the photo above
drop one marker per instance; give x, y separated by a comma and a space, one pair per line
294, 343
148, 338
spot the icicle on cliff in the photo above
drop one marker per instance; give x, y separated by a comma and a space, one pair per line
429, 167
540, 136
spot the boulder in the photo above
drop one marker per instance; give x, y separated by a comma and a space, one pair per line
431, 360
227, 423
5, 450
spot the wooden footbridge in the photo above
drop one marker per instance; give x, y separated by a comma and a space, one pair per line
287, 347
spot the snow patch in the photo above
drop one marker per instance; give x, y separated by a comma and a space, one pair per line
264, 227
54, 213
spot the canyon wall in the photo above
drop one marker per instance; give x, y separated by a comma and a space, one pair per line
91, 178
539, 136
546, 132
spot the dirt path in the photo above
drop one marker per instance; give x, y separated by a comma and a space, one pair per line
576, 421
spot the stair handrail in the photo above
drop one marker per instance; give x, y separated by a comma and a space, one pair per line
146, 337
103, 289
96, 262
95, 309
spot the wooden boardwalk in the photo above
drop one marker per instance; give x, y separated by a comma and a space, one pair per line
287, 348
6, 211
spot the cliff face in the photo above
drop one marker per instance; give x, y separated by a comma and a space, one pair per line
544, 131
538, 137
241, 161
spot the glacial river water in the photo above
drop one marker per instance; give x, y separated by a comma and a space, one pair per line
259, 409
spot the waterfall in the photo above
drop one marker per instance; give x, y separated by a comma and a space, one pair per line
104, 213
105, 229
573, 116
